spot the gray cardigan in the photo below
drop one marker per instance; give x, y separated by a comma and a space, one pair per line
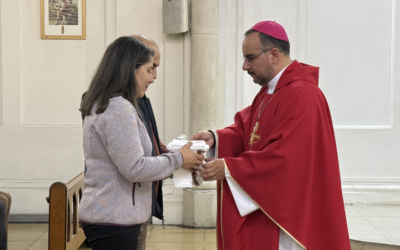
117, 152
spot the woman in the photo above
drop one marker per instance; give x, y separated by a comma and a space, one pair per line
117, 149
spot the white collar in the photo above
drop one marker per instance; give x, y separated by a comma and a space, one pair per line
272, 84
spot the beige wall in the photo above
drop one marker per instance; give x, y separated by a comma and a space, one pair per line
42, 82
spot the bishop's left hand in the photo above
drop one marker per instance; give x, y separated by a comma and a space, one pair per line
213, 169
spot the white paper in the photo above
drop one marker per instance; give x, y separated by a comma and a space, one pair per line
182, 178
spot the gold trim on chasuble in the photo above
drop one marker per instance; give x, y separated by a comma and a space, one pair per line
220, 212
226, 168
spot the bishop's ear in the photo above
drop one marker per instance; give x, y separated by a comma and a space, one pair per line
275, 55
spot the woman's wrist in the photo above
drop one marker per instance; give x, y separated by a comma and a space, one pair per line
180, 155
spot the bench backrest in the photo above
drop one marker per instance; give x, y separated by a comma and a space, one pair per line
65, 232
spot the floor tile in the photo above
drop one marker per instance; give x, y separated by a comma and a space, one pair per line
175, 246
18, 245
360, 229
356, 245
26, 231
149, 231
383, 221
44, 236
84, 247
40, 244
148, 236
210, 238
350, 211
178, 238
176, 229
210, 246
377, 210
378, 224
379, 247
392, 234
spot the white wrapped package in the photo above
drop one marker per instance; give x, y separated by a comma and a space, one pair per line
197, 145
182, 177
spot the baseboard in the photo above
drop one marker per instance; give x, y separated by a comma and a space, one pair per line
371, 191
28, 218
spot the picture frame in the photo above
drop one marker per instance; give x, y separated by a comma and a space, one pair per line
63, 19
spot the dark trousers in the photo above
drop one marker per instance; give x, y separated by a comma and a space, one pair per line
112, 237
3, 234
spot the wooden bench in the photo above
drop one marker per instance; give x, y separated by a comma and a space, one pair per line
65, 231
6, 198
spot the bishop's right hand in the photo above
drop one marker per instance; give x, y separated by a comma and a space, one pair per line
191, 160
204, 135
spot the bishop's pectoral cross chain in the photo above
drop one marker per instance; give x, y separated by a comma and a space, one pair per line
254, 138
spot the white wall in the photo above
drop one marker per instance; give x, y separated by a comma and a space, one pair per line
355, 45
41, 86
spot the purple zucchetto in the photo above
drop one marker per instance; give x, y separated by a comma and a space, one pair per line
271, 28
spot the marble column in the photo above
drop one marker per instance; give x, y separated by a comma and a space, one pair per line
199, 203
204, 65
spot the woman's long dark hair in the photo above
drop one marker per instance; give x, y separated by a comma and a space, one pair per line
115, 75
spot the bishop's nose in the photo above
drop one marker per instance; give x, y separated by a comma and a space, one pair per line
246, 65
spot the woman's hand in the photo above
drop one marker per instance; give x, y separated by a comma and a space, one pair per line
191, 160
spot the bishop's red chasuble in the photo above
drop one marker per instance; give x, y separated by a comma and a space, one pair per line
283, 155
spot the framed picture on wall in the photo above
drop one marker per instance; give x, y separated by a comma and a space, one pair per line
63, 19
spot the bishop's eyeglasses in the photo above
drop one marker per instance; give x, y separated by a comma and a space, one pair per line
250, 58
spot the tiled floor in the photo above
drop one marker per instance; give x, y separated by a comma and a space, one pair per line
379, 224
35, 236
